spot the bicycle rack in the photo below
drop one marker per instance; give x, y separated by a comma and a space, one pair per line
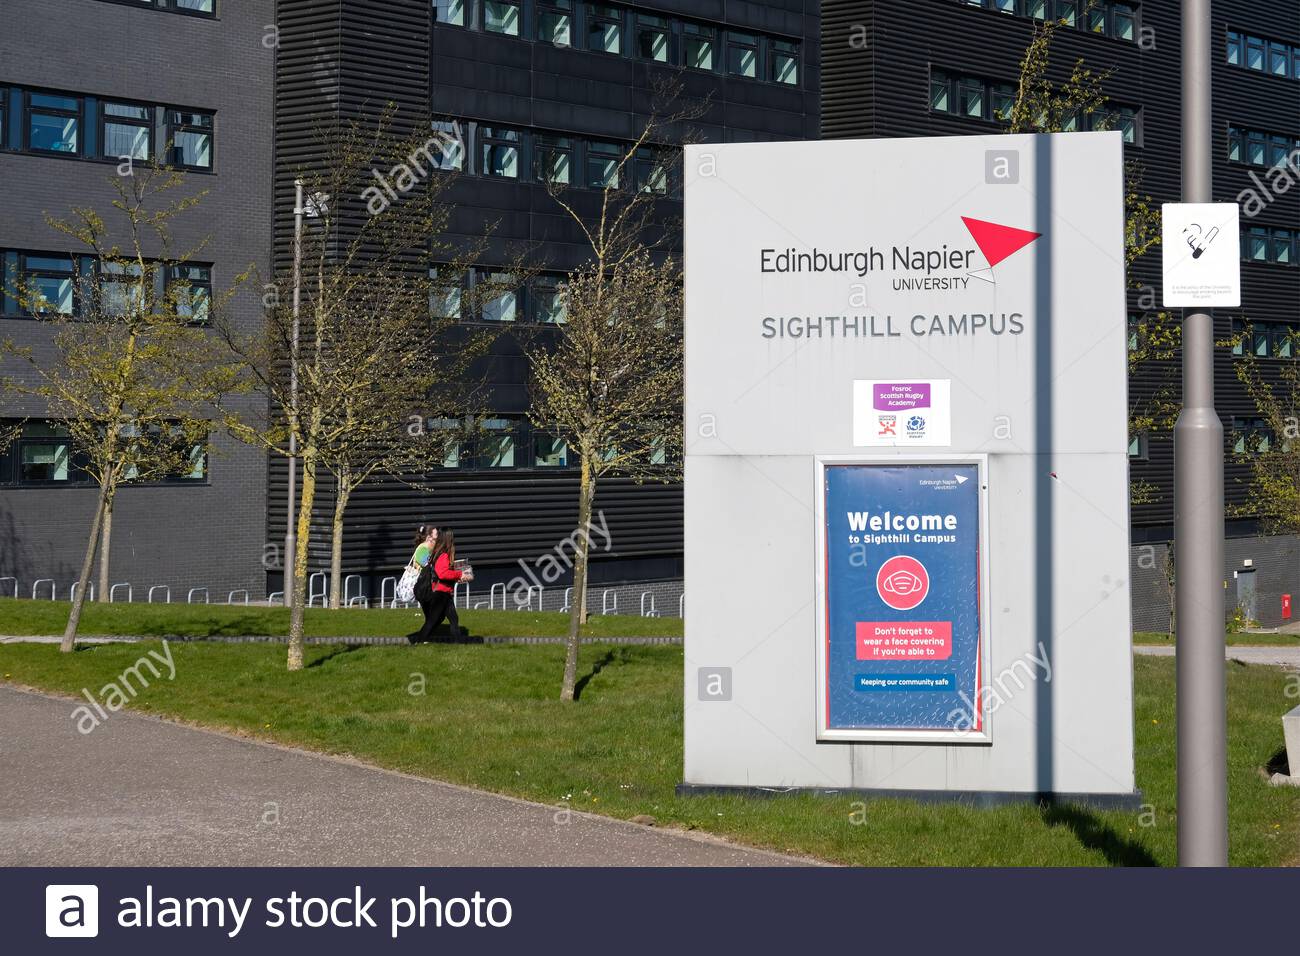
568, 597
605, 606
383, 592
230, 598
37, 583
161, 587
681, 606
275, 597
90, 591
189, 598
15, 581
527, 603
347, 587
130, 593
313, 594
492, 596
455, 594
652, 612
359, 600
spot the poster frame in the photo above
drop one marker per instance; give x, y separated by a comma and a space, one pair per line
828, 734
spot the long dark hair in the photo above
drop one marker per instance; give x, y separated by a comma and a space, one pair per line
446, 544
422, 533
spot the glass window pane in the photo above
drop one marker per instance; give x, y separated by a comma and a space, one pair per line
602, 165
1234, 48
44, 461
652, 38
200, 6
1254, 53
604, 29
53, 134
1279, 59
698, 43
450, 11
447, 145
940, 93
554, 27
1125, 22
742, 55
785, 62
501, 17
126, 140
194, 149
550, 452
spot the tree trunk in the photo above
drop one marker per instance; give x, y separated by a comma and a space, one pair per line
305, 503
336, 547
586, 492
83, 582
105, 546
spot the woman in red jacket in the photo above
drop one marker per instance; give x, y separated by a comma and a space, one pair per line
439, 603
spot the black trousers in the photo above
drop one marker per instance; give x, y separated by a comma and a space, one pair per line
440, 605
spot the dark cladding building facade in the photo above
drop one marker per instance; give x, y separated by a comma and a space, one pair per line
82, 83
945, 67
532, 89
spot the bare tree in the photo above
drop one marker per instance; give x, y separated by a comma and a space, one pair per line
610, 380
132, 367
611, 387
371, 344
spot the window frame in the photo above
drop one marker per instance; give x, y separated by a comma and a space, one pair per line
23, 275
148, 124
79, 115
743, 41
693, 32
489, 139
595, 14
561, 10
177, 123
645, 22
516, 5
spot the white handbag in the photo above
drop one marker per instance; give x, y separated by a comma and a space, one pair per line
406, 586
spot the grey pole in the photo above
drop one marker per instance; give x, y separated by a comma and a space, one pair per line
291, 493
1198, 523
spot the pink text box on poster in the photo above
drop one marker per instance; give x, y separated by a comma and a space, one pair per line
904, 640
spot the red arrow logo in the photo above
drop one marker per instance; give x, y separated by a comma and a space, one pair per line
998, 242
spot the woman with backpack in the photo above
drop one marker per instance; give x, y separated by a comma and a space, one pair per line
436, 588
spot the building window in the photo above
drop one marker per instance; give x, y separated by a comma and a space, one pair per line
196, 6
553, 159
1138, 446
602, 165
497, 443
45, 455
1037, 9
446, 296
121, 289
1124, 21
550, 306
503, 306
970, 97
550, 452
604, 29
1004, 99
742, 54
127, 131
190, 288
785, 62
499, 149
940, 92
1255, 48
1251, 436
1068, 11
53, 123
555, 22
501, 17
699, 44
1279, 59
451, 12
649, 167
1271, 245
46, 284
191, 138
652, 37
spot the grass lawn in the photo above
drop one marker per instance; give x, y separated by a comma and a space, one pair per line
489, 718
23, 618
1232, 640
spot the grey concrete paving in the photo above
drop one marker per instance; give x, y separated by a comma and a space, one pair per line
1288, 657
137, 791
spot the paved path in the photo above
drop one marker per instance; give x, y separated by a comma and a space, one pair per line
1288, 657
138, 791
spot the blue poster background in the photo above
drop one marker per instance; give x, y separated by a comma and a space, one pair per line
858, 692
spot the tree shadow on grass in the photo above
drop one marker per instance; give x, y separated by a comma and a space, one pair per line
1093, 834
337, 650
605, 660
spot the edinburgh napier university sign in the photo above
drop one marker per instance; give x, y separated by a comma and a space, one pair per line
906, 467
